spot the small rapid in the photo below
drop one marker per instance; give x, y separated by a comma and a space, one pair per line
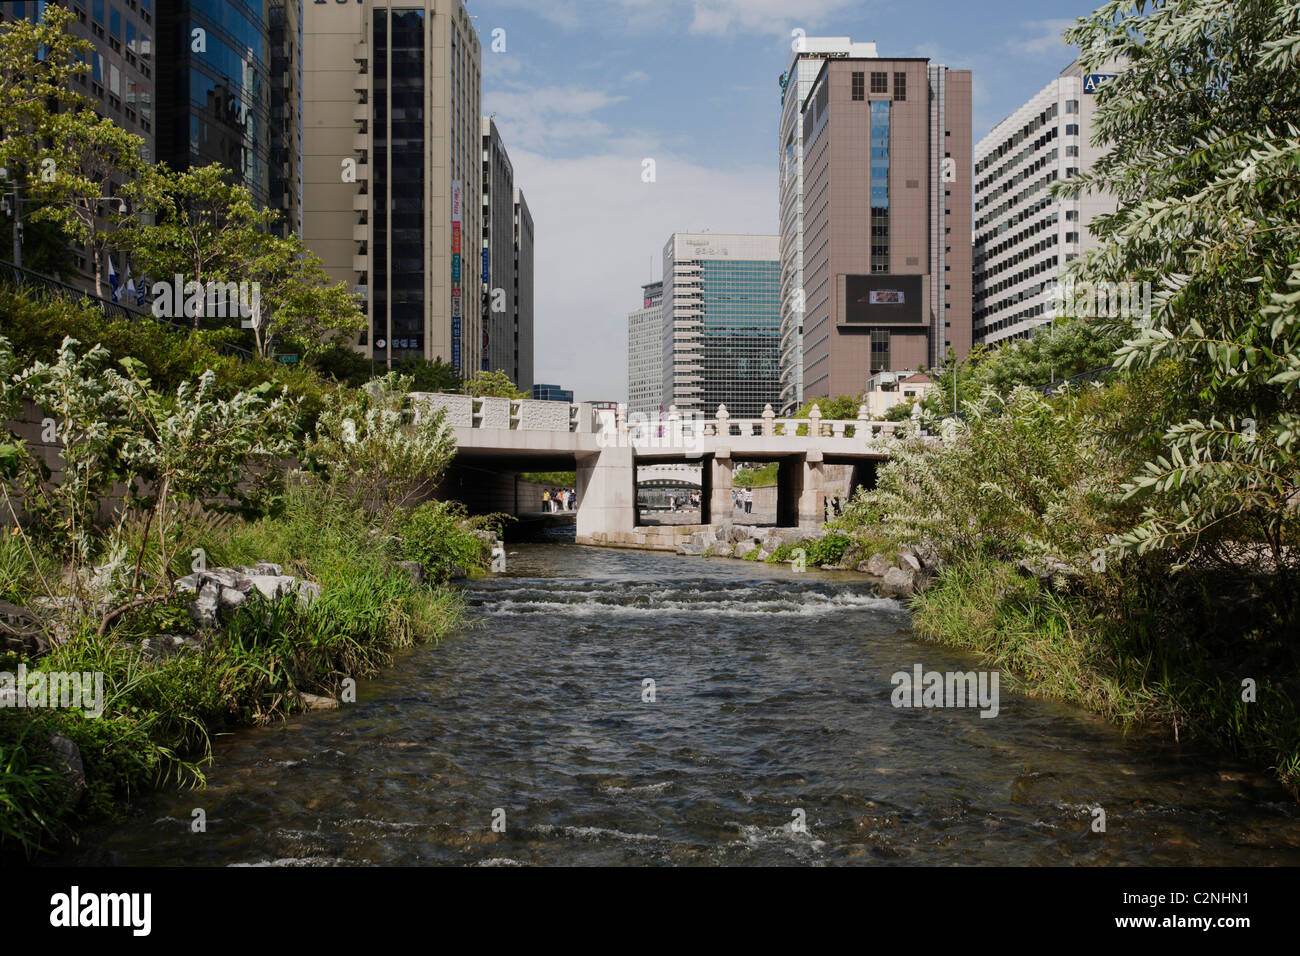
621, 707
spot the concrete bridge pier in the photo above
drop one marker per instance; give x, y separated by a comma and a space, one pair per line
808, 478
721, 472
606, 492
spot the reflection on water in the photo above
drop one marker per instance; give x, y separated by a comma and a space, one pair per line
771, 705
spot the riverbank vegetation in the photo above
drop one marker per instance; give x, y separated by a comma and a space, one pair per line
219, 523
156, 487
1134, 545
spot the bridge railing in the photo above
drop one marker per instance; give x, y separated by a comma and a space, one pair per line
677, 428
514, 414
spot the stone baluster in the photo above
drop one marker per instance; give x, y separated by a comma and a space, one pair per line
723, 418
815, 422
769, 421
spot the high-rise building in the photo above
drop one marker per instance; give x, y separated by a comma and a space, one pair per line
1023, 236
121, 79
886, 189
497, 263
721, 323
215, 88
522, 307
795, 84
286, 18
645, 354
394, 159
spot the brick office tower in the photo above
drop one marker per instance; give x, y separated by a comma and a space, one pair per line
887, 222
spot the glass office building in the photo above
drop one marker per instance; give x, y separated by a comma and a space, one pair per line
397, 158
721, 323
214, 87
742, 335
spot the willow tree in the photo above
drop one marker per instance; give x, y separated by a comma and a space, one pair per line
1201, 124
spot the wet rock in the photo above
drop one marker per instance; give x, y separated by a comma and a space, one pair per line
274, 586
763, 555
690, 548
741, 549
317, 702
169, 645
232, 598
308, 593
877, 565
218, 590
898, 583
203, 609
413, 568
927, 555
907, 559
261, 569
68, 754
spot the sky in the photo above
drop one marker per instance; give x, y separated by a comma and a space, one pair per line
586, 90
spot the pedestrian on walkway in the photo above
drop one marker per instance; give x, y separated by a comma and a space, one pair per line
749, 500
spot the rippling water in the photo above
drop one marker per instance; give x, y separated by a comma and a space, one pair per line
772, 705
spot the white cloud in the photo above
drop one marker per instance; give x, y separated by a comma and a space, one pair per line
768, 17
1042, 38
707, 17
564, 13
637, 76
536, 118
600, 233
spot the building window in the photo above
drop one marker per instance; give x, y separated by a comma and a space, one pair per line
900, 86
1072, 151
1071, 129
879, 82
880, 185
1071, 106
879, 350
859, 86
1071, 215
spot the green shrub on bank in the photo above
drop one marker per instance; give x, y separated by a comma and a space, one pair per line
829, 549
440, 536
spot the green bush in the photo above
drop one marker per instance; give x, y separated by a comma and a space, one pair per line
440, 536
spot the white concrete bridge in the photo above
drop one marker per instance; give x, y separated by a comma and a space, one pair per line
503, 437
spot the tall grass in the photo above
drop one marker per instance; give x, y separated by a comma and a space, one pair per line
1143, 655
160, 712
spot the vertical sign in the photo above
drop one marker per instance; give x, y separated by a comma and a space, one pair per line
455, 275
